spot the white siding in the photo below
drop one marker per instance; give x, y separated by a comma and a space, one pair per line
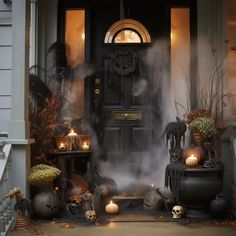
5, 116
5, 57
5, 82
4, 7
5, 65
5, 102
5, 32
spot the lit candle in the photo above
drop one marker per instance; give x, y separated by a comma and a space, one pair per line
85, 146
112, 208
191, 161
62, 147
72, 133
72, 140
56, 189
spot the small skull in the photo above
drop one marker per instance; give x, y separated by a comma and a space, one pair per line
207, 164
175, 155
177, 212
90, 215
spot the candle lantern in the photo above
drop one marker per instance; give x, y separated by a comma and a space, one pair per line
72, 140
62, 147
112, 208
61, 144
191, 161
84, 142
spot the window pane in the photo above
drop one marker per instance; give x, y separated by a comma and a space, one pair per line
75, 53
127, 31
180, 53
127, 36
74, 36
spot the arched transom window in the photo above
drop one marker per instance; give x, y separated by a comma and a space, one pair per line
127, 31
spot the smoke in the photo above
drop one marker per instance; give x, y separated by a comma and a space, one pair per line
154, 84
139, 87
62, 79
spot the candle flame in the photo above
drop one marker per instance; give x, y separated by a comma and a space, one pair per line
152, 185
83, 36
85, 145
192, 156
111, 202
56, 189
71, 131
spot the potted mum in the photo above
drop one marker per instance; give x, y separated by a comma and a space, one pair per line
45, 203
43, 175
202, 128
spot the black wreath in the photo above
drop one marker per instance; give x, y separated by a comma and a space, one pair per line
124, 62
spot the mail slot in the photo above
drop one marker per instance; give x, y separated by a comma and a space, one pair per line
127, 115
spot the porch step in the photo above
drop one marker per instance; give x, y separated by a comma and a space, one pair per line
118, 197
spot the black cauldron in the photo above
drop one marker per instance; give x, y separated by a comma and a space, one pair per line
197, 188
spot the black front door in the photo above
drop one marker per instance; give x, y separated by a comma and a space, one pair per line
126, 104
124, 86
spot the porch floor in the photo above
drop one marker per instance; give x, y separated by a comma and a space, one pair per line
130, 229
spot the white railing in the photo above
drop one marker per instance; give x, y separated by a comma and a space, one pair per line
6, 208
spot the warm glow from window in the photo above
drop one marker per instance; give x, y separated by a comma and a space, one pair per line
127, 36
75, 53
127, 31
74, 36
180, 52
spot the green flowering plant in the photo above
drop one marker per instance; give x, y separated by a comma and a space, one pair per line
204, 125
42, 173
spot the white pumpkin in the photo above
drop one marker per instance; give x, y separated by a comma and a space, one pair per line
112, 208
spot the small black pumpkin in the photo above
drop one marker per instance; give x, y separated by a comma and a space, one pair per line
218, 206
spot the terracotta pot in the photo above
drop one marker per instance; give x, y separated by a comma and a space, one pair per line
198, 138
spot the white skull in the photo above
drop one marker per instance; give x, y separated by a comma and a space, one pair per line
177, 212
90, 215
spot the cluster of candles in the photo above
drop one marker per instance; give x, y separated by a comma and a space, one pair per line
74, 141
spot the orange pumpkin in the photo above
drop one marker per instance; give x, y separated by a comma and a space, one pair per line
195, 151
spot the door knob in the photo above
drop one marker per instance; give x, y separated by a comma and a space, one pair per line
97, 91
